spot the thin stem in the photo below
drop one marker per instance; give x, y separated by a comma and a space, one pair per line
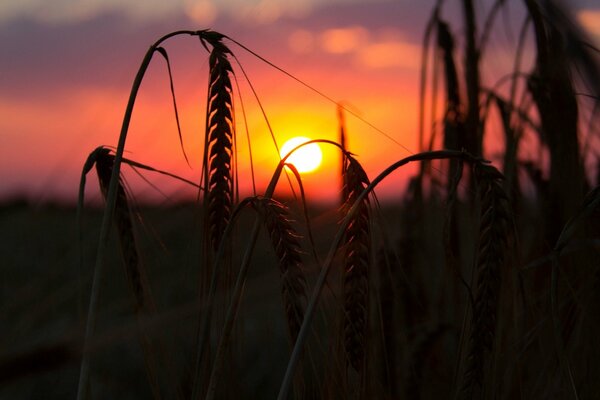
208, 306
232, 311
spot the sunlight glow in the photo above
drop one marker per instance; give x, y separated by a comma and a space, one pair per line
305, 159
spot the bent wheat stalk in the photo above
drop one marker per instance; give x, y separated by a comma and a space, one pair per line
326, 267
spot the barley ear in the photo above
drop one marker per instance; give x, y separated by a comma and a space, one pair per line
124, 224
287, 249
220, 132
357, 247
133, 268
494, 229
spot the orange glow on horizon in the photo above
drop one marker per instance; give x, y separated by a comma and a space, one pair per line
80, 116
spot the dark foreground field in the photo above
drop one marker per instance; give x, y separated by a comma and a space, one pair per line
45, 290
418, 309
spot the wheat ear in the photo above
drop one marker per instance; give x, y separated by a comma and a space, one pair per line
219, 141
124, 224
326, 267
357, 245
133, 269
493, 234
284, 239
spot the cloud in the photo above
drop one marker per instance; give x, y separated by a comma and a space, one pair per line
60, 11
343, 40
389, 54
383, 48
267, 11
202, 12
50, 61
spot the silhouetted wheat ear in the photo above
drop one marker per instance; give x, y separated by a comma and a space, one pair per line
284, 239
357, 247
494, 230
133, 268
219, 142
124, 224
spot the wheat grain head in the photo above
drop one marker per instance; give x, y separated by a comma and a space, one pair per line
494, 230
357, 246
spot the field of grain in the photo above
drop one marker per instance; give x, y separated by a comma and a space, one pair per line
480, 280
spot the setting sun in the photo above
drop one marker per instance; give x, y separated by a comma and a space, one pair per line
306, 158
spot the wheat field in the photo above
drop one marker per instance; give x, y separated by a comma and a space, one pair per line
481, 281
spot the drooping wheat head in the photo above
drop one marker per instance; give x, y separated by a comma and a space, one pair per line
284, 239
136, 277
124, 224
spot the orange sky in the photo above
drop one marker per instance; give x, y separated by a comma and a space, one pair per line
65, 79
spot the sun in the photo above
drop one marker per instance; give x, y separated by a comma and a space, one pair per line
306, 158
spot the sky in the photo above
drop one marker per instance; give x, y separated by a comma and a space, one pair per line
67, 67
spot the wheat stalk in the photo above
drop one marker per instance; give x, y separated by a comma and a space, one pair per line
237, 290
454, 124
472, 139
551, 85
493, 235
325, 269
357, 245
218, 170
